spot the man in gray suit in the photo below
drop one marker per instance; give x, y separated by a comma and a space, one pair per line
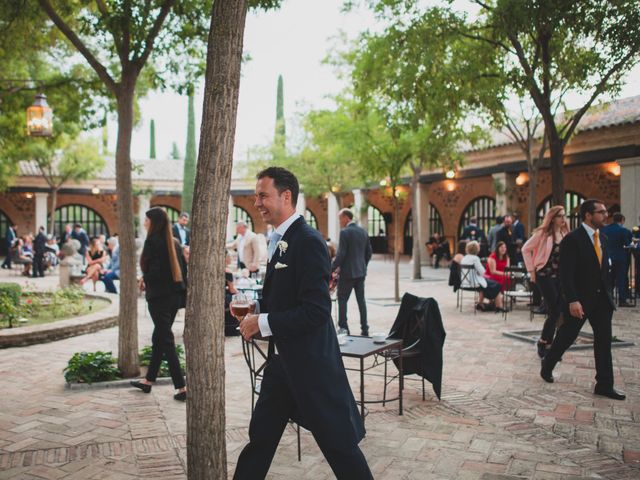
354, 253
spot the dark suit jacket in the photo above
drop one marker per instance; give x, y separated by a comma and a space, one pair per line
581, 278
83, 238
39, 243
518, 231
176, 234
473, 232
11, 237
297, 300
354, 252
618, 237
158, 279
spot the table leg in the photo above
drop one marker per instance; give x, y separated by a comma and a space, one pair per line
401, 384
362, 389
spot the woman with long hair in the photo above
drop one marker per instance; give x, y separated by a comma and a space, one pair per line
496, 264
95, 257
542, 258
164, 275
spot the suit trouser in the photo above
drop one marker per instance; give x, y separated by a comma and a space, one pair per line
345, 285
550, 288
38, 265
620, 273
163, 312
600, 320
270, 416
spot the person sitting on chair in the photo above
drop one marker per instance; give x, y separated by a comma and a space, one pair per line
488, 288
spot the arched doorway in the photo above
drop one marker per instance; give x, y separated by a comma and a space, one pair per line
5, 221
90, 220
377, 228
311, 218
435, 221
572, 202
483, 209
435, 225
172, 213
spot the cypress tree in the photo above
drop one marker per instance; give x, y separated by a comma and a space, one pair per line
175, 153
152, 150
280, 134
189, 176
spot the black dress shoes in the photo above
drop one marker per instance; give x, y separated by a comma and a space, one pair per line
142, 386
546, 374
610, 393
180, 396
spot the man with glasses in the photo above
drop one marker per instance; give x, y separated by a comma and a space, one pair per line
586, 286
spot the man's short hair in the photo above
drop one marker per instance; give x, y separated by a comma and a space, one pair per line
77, 225
588, 206
472, 248
347, 213
113, 241
184, 215
241, 223
618, 217
283, 180
499, 219
473, 220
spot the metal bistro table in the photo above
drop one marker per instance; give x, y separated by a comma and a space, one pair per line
363, 347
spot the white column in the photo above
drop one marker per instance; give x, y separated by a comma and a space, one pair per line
301, 205
421, 221
357, 205
230, 223
504, 183
630, 189
333, 226
144, 203
41, 211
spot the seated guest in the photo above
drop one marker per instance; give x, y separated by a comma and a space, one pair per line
496, 264
454, 268
52, 251
22, 257
113, 273
230, 322
461, 252
95, 260
438, 247
489, 289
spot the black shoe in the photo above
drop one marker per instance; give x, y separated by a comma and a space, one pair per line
546, 374
610, 393
364, 333
142, 386
542, 349
624, 304
180, 396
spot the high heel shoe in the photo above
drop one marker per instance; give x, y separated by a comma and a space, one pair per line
142, 386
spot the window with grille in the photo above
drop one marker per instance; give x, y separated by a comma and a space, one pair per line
4, 226
435, 221
239, 214
377, 226
572, 202
90, 220
311, 218
483, 209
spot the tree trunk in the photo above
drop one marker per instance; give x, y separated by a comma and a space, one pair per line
415, 228
128, 361
532, 204
52, 213
396, 246
204, 324
556, 153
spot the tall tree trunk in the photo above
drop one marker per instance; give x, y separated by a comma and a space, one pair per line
128, 361
189, 175
417, 241
204, 324
52, 211
556, 153
532, 204
396, 246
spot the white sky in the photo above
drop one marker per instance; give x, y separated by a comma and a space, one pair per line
291, 41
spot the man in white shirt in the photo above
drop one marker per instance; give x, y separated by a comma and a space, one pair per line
247, 245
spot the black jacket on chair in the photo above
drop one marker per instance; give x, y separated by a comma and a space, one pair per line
354, 252
158, 279
581, 278
296, 297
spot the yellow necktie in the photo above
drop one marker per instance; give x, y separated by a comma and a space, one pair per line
596, 245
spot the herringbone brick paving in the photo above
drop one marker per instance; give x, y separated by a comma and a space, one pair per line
497, 419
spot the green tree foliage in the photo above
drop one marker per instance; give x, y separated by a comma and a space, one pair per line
152, 139
175, 151
280, 134
189, 176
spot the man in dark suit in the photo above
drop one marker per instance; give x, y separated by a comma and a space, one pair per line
304, 378
473, 232
39, 245
180, 230
619, 238
80, 235
354, 253
506, 235
10, 238
586, 287
518, 228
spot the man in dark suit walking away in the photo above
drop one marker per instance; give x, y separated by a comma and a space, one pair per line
304, 378
619, 239
354, 253
586, 286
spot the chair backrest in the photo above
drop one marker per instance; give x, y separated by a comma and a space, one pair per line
468, 277
256, 358
514, 274
409, 322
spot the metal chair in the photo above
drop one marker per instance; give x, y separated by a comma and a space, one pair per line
518, 288
468, 283
256, 358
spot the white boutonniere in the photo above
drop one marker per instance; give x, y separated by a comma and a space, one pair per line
282, 246
280, 265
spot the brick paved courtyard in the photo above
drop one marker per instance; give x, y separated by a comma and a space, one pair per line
497, 418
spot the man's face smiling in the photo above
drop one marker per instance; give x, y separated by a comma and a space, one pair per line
273, 206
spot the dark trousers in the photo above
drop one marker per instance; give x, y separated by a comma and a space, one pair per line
550, 289
345, 285
7, 260
273, 409
38, 265
600, 320
620, 273
163, 312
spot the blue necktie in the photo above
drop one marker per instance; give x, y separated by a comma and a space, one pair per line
273, 243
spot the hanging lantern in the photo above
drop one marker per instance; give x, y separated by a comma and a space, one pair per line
39, 118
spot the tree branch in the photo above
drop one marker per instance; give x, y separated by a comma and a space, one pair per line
80, 46
153, 33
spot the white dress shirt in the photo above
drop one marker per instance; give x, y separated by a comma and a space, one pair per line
263, 318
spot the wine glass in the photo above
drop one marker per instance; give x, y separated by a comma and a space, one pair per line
240, 306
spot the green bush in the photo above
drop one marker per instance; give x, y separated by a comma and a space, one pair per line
10, 309
145, 359
11, 290
89, 367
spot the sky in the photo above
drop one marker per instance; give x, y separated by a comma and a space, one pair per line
292, 42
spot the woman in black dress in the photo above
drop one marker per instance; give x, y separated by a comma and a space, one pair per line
164, 275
